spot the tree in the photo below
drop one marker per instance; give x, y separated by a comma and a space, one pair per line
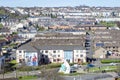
41, 28
1, 26
108, 24
53, 16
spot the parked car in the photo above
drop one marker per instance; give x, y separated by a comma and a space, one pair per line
113, 64
90, 65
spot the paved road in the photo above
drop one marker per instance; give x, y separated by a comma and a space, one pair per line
92, 76
88, 76
17, 74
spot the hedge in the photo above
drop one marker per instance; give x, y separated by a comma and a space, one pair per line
110, 61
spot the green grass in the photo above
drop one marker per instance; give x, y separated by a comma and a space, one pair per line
110, 61
27, 77
108, 24
12, 45
13, 62
118, 78
2, 37
71, 74
106, 68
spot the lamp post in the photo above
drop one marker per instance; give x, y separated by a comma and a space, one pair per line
3, 71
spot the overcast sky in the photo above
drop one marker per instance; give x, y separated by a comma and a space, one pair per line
58, 3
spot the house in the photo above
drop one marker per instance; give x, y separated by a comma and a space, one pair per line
3, 42
50, 54
5, 31
90, 27
54, 48
27, 35
59, 53
109, 40
27, 32
27, 54
100, 53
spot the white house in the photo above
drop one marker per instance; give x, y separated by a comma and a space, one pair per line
51, 53
55, 47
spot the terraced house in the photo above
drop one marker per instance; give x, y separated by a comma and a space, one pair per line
108, 41
53, 48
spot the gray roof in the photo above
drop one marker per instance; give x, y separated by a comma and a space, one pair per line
60, 47
34, 48
27, 47
59, 42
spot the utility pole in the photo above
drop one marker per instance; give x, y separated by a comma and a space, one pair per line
3, 61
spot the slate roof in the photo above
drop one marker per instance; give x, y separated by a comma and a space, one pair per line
60, 47
59, 42
34, 47
27, 47
4, 30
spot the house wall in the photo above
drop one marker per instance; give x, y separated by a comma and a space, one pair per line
30, 58
20, 55
54, 55
79, 55
27, 35
58, 55
100, 53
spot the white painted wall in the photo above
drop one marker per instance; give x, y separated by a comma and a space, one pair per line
19, 55
79, 54
60, 55
51, 55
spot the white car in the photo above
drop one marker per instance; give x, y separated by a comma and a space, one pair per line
113, 64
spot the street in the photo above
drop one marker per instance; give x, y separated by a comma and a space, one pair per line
87, 76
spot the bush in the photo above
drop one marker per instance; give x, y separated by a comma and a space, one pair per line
53, 65
30, 68
110, 61
28, 77
25, 68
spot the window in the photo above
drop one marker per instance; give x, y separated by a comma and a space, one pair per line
81, 51
77, 51
58, 55
58, 51
46, 51
81, 55
20, 51
41, 51
54, 60
76, 55
54, 55
54, 51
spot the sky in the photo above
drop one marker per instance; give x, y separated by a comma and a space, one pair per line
59, 3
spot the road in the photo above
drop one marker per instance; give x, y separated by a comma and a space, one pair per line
92, 76
18, 73
87, 76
